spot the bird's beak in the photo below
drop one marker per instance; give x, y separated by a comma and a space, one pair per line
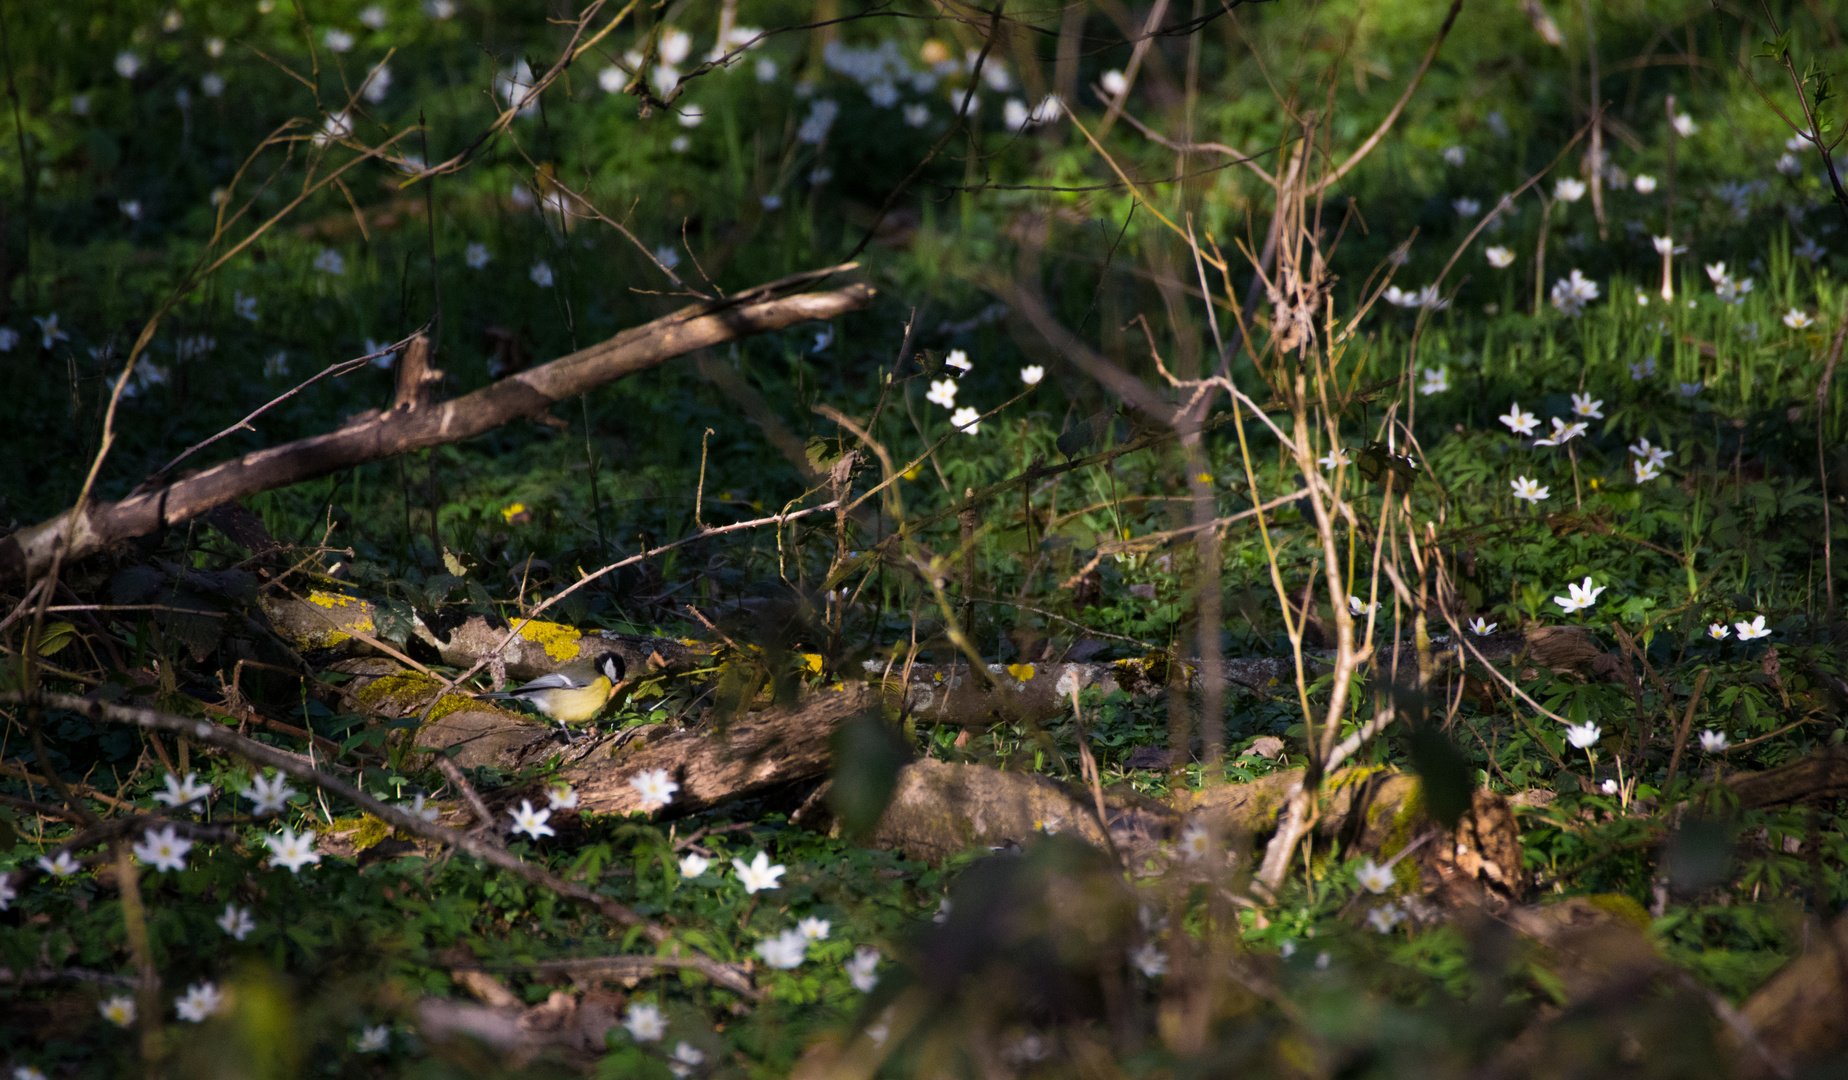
619, 693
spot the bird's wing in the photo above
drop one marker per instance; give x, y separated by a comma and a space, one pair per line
557, 680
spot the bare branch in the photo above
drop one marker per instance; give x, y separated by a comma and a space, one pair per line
86, 529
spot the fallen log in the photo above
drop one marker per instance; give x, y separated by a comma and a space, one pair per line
942, 808
326, 621
1822, 775
754, 754
84, 530
570, 1026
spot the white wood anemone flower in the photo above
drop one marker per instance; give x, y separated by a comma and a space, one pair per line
1521, 423
758, 874
291, 850
1531, 490
1580, 595
163, 850
531, 822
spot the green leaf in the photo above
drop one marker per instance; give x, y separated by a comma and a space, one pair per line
823, 453
1376, 460
1445, 774
57, 636
394, 620
867, 757
1082, 435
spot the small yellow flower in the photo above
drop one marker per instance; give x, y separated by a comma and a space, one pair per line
1021, 672
1205, 478
516, 511
811, 662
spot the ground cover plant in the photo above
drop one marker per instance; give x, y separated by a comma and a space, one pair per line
1274, 539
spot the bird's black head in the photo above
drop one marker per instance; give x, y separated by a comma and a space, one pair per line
612, 666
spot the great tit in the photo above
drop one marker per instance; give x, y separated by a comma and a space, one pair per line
573, 694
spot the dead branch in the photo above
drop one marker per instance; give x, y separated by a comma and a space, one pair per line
86, 529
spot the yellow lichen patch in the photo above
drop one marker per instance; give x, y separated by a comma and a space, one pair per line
559, 641
332, 619
1409, 811
1153, 667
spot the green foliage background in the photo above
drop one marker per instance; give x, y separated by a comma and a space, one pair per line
1735, 530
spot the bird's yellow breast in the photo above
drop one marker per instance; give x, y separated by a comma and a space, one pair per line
574, 705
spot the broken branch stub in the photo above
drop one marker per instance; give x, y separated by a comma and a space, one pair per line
85, 530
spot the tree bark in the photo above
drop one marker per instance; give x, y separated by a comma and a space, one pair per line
1823, 774
754, 754
82, 531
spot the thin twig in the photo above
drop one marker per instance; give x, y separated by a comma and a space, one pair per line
484, 818
1687, 721
1373, 140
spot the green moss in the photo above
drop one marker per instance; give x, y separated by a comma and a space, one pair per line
409, 692
1622, 907
366, 832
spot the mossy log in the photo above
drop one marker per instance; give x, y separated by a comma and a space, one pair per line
328, 621
942, 808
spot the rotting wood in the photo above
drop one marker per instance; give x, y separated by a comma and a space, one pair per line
1821, 775
417, 381
754, 754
